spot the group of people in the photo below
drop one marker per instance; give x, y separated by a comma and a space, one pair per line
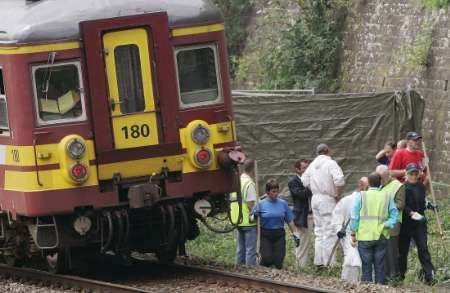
374, 225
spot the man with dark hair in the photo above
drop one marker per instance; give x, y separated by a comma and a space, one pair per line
373, 215
301, 197
412, 154
326, 180
385, 155
246, 248
414, 225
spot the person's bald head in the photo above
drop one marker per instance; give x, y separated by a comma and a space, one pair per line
363, 184
383, 171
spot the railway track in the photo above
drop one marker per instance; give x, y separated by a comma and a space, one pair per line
248, 281
63, 281
204, 277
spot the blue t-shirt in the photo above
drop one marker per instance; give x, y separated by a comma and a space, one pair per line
273, 213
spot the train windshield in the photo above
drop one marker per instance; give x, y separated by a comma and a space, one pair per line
198, 75
58, 93
4, 125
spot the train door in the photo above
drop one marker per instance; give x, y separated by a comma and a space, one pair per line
130, 87
130, 69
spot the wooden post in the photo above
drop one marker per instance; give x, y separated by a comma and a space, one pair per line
433, 197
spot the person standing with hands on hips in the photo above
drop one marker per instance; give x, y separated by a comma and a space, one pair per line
274, 212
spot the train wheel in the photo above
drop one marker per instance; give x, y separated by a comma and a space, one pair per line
57, 260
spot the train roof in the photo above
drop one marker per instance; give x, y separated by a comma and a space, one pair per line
24, 21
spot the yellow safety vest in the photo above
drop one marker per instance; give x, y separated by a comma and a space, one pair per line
374, 212
246, 182
391, 189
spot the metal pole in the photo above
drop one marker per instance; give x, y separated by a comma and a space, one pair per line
427, 165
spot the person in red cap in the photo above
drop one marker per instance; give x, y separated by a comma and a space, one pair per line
403, 157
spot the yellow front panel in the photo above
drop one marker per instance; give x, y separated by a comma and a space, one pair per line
50, 180
131, 129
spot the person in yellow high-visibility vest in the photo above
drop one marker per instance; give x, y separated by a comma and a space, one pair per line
396, 191
374, 213
246, 231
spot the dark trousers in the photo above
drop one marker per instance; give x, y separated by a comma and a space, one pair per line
391, 268
372, 256
418, 232
273, 247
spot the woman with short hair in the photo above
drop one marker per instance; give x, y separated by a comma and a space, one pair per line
274, 213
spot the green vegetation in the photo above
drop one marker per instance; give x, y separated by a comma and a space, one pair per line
236, 13
303, 53
221, 248
417, 55
435, 4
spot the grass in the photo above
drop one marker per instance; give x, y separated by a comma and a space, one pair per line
222, 247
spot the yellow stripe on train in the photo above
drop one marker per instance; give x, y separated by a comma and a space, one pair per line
46, 154
28, 49
50, 180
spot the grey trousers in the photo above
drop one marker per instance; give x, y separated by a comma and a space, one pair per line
391, 267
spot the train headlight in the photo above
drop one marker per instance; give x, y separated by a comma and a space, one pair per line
78, 172
200, 134
203, 157
76, 148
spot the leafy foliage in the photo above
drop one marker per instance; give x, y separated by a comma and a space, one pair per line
418, 54
236, 14
303, 53
435, 4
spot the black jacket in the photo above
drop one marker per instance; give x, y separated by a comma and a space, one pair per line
302, 198
414, 201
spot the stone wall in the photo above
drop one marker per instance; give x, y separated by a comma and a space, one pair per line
396, 44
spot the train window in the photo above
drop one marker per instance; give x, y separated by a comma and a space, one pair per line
129, 79
197, 75
59, 93
4, 125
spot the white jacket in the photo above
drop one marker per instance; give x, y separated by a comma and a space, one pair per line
323, 175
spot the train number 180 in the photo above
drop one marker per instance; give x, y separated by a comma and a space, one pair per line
136, 131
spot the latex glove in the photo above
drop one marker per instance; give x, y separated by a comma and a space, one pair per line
340, 234
418, 217
296, 240
430, 206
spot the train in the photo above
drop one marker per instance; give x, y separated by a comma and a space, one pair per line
116, 127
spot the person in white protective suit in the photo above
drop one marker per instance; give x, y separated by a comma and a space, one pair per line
325, 179
351, 266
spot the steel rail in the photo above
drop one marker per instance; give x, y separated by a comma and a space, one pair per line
66, 281
244, 280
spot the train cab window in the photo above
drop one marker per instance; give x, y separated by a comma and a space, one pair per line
4, 125
59, 93
129, 79
198, 73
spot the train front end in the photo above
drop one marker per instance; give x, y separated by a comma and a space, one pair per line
130, 137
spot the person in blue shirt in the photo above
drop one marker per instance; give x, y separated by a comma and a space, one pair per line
274, 213
373, 214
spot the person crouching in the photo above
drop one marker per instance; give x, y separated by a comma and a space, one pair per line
273, 213
374, 213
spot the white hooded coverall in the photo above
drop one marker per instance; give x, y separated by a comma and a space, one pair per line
351, 266
323, 176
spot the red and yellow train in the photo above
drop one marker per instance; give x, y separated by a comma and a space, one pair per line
115, 120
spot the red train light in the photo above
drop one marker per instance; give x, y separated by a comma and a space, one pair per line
203, 157
78, 172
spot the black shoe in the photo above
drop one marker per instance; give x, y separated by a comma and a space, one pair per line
430, 282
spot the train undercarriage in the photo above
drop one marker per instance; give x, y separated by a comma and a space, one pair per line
145, 224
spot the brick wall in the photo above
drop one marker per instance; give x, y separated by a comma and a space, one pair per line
381, 39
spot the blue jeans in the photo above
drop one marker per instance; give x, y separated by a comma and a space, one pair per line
246, 249
372, 255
